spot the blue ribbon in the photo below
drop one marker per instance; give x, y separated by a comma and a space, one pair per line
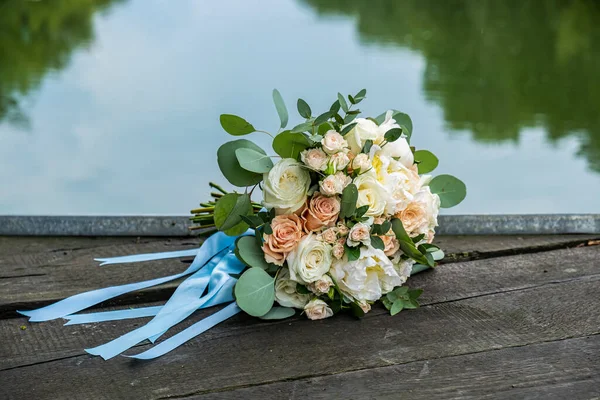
213, 265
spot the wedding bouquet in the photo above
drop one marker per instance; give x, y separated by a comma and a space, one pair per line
347, 212
347, 215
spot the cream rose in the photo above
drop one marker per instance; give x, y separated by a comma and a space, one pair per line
333, 142
334, 184
364, 130
402, 183
317, 309
420, 215
339, 161
338, 250
367, 278
321, 211
371, 193
315, 159
359, 234
361, 162
285, 186
287, 232
321, 286
310, 261
285, 291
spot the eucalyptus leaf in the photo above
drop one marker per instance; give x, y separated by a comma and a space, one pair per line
304, 109
393, 134
254, 161
360, 95
324, 127
426, 161
250, 253
255, 292
342, 102
401, 118
416, 268
235, 125
351, 99
377, 243
323, 118
335, 107
231, 168
367, 146
229, 209
279, 313
349, 198
438, 255
450, 189
289, 144
303, 127
252, 220
281, 108
348, 128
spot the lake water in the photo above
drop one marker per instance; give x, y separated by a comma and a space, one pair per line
112, 107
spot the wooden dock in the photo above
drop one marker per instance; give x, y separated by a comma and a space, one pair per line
509, 317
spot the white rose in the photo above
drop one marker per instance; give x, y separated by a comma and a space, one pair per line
371, 193
285, 186
361, 162
399, 149
285, 291
364, 130
333, 142
368, 278
310, 260
334, 184
317, 309
321, 286
315, 158
339, 161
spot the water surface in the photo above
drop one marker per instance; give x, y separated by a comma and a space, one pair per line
111, 107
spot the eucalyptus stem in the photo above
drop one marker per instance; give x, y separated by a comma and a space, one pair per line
215, 186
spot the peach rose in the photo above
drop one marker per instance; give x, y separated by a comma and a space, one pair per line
391, 244
359, 233
413, 217
338, 250
329, 235
321, 211
287, 232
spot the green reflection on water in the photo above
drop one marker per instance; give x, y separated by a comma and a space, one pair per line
37, 37
496, 67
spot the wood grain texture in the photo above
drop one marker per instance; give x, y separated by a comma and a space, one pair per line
564, 369
243, 351
33, 278
447, 283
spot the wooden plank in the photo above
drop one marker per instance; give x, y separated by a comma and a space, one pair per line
36, 278
244, 351
564, 369
448, 283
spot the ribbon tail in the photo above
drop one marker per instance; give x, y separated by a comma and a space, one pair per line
103, 316
189, 333
147, 257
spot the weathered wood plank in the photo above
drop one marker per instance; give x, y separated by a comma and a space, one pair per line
565, 369
243, 351
448, 283
33, 279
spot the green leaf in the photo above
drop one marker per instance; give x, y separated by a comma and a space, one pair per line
399, 230
392, 296
348, 128
303, 127
411, 304
342, 102
418, 238
415, 293
267, 229
304, 109
324, 127
385, 227
252, 220
229, 209
427, 161
335, 107
360, 211
367, 146
356, 310
349, 118
450, 189
377, 243
397, 307
351, 99
401, 118
353, 253
230, 166
401, 290
406, 244
279, 313
255, 292
254, 161
323, 118
289, 144
438, 254
360, 95
248, 252
393, 134
235, 125
281, 109
349, 198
